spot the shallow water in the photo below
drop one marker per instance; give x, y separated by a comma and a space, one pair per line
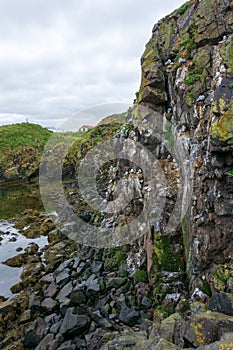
10, 275
16, 198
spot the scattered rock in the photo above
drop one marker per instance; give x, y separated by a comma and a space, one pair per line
73, 323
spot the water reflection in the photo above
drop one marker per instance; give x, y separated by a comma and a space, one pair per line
14, 199
10, 275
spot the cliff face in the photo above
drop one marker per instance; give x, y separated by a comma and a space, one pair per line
97, 295
187, 80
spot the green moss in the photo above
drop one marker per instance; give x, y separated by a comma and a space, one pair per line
220, 276
206, 288
226, 52
163, 256
189, 98
116, 259
126, 287
231, 85
186, 42
193, 75
186, 45
137, 95
141, 276
163, 311
181, 10
223, 128
230, 173
192, 79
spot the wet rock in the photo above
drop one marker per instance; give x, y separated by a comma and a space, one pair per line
95, 286
76, 263
35, 333
31, 273
48, 304
16, 261
52, 290
100, 321
63, 277
31, 249
47, 278
96, 267
73, 323
122, 272
64, 292
13, 239
55, 327
7, 306
146, 302
116, 282
44, 344
34, 302
64, 306
54, 344
16, 288
78, 297
67, 346
222, 302
127, 315
25, 317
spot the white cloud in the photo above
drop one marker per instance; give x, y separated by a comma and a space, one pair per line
58, 56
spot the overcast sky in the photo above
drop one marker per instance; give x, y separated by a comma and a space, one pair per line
58, 57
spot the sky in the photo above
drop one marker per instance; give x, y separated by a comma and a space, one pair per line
60, 57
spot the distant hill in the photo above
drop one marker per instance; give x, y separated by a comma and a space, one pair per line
114, 118
21, 146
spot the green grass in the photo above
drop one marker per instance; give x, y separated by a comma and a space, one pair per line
113, 119
181, 10
193, 76
141, 276
230, 173
22, 144
89, 139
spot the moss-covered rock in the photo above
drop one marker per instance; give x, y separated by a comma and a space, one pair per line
141, 276
226, 51
164, 256
223, 128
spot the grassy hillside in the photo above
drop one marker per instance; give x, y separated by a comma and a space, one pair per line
114, 118
21, 146
89, 139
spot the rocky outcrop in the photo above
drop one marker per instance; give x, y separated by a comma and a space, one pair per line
187, 80
170, 287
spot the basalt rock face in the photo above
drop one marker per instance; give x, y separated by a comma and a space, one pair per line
76, 296
187, 85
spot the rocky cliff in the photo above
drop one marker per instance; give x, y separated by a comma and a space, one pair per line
171, 286
187, 79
